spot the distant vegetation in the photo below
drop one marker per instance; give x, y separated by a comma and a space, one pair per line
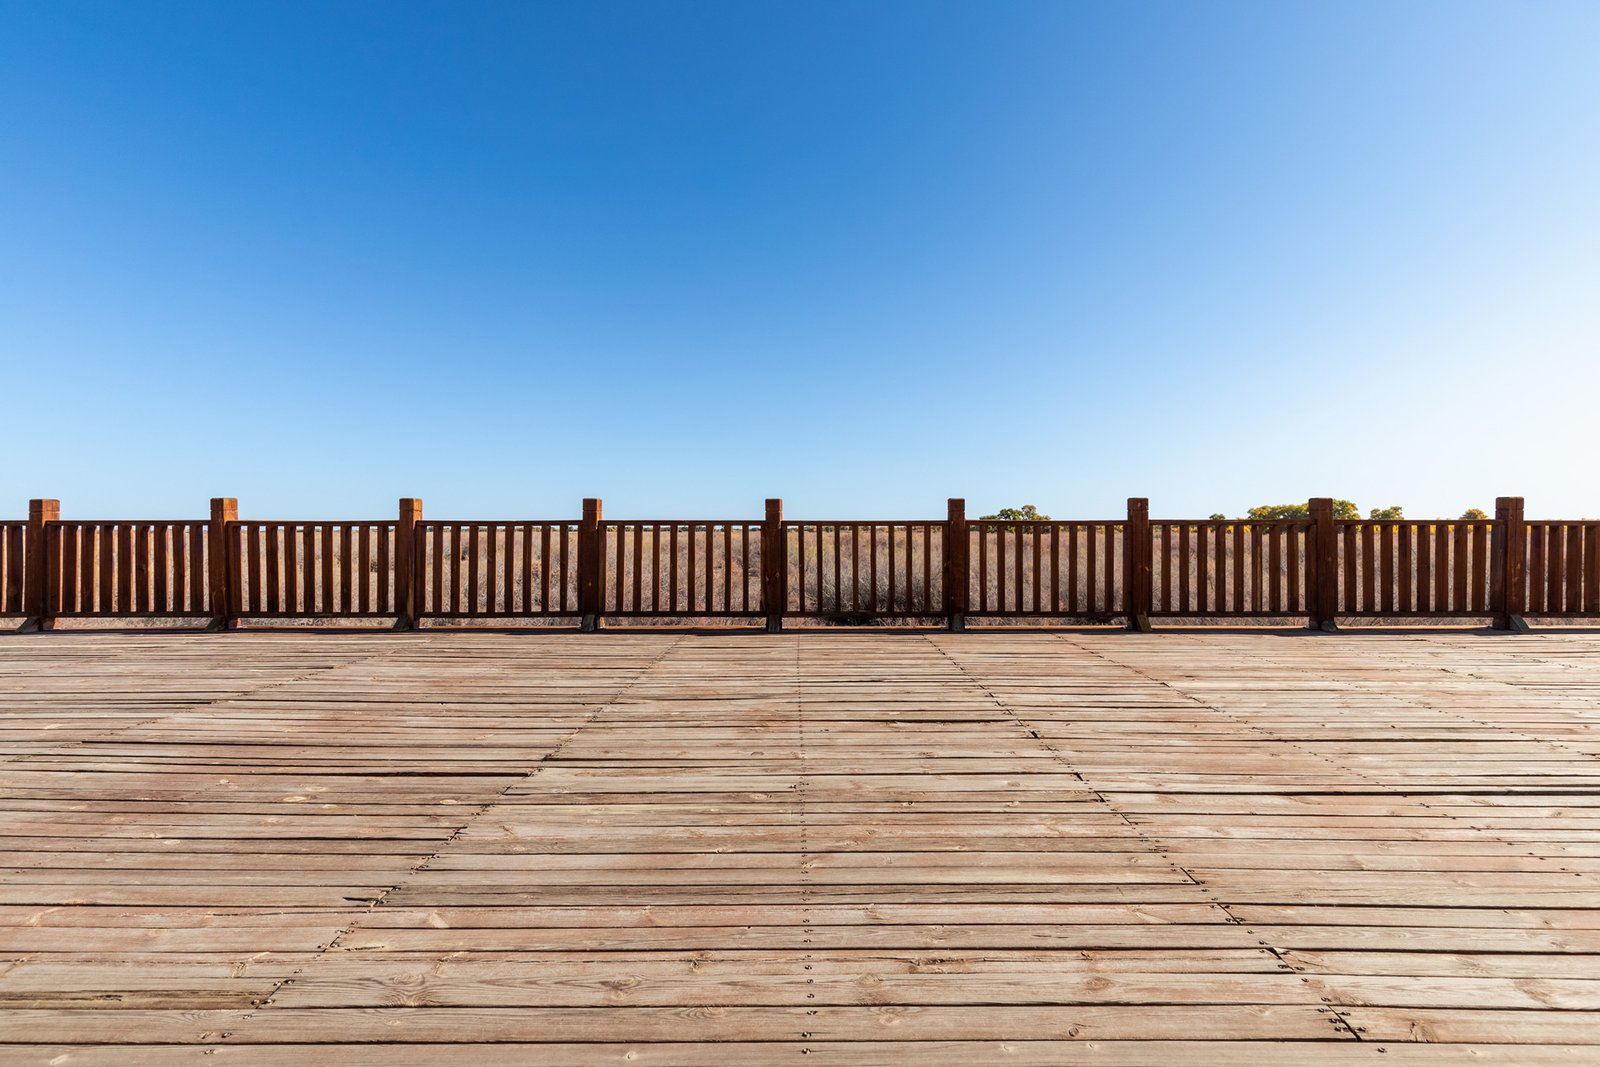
1342, 509
1026, 513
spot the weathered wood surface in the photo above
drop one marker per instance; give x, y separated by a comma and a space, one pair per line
1031, 848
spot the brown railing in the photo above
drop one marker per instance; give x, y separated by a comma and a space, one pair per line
111, 569
848, 569
1562, 568
495, 569
1443, 567
1046, 568
1319, 568
13, 567
675, 569
334, 569
1233, 569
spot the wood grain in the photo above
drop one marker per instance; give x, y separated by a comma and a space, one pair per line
1225, 847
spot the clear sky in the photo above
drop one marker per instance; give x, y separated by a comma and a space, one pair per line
862, 256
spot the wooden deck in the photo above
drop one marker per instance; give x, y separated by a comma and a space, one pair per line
858, 848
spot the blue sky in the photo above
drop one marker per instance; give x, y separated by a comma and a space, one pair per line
862, 256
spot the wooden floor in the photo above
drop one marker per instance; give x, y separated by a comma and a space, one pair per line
1099, 848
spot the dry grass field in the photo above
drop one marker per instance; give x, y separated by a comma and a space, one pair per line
1224, 847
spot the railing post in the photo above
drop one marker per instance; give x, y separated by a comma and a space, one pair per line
1136, 549
405, 563
774, 566
1508, 576
224, 512
591, 565
36, 563
1323, 580
956, 575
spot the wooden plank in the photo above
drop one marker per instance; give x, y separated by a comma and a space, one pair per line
1276, 602
184, 541
865, 844
124, 575
1369, 570
893, 602
1230, 571
293, 533
1479, 593
691, 582
1386, 577
1096, 537
273, 534
1017, 567
1407, 567
106, 535
255, 543
388, 579
1443, 565
1425, 568
872, 565
1573, 591
527, 603
1184, 602
1257, 568
1591, 568
160, 534
493, 581
68, 584
473, 604
803, 583
672, 566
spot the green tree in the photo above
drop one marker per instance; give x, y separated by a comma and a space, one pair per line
1342, 509
1026, 513
1474, 513
1217, 516
1392, 513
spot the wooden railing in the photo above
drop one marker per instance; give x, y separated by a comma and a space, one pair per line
334, 569
1415, 568
13, 567
1046, 568
1561, 569
1233, 569
674, 569
850, 569
110, 569
495, 569
1134, 569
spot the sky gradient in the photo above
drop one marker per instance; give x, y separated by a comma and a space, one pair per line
862, 256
